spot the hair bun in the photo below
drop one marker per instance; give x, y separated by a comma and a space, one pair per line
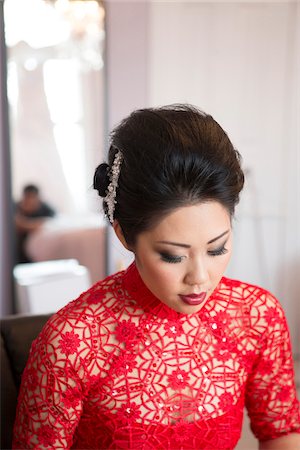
101, 179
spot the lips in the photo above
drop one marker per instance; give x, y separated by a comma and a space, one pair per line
193, 299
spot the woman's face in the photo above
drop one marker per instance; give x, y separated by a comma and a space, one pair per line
182, 259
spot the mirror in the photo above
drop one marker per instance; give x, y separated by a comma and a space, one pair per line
55, 76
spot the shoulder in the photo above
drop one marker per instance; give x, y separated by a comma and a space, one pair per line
247, 293
96, 300
81, 319
258, 305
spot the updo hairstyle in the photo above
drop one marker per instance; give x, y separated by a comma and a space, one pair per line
173, 156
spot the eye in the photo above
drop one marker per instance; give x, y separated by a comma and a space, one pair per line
219, 251
171, 258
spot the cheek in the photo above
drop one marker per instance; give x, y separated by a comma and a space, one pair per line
222, 264
162, 276
219, 266
163, 273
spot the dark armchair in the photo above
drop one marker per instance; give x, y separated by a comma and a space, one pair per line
17, 334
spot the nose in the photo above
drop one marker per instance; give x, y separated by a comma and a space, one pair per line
197, 274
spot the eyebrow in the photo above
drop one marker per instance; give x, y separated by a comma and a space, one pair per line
218, 237
177, 244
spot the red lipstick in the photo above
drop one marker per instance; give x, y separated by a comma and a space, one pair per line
193, 299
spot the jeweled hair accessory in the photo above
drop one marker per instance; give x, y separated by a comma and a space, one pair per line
114, 174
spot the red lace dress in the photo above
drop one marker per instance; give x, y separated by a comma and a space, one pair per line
117, 369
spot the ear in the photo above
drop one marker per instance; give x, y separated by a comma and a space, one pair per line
119, 233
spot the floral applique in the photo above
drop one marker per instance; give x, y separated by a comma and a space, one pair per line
96, 387
127, 332
69, 343
46, 436
225, 349
222, 353
222, 318
71, 398
173, 328
266, 366
272, 316
178, 379
246, 359
129, 411
284, 394
31, 378
218, 323
124, 362
96, 297
181, 431
226, 401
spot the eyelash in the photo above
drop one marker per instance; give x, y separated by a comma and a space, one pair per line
177, 259
219, 251
171, 258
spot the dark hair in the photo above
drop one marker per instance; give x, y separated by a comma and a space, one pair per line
30, 189
173, 156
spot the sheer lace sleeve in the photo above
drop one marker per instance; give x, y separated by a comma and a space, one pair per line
52, 389
271, 395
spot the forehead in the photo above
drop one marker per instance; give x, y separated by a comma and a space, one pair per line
193, 222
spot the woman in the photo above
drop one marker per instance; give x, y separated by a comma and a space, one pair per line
165, 354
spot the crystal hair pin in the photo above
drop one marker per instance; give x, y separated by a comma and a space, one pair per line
114, 174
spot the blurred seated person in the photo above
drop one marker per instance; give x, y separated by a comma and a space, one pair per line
30, 214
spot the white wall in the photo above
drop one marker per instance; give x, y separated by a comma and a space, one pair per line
127, 82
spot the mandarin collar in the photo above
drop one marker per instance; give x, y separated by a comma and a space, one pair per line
144, 298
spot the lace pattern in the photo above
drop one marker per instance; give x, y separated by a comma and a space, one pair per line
117, 369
